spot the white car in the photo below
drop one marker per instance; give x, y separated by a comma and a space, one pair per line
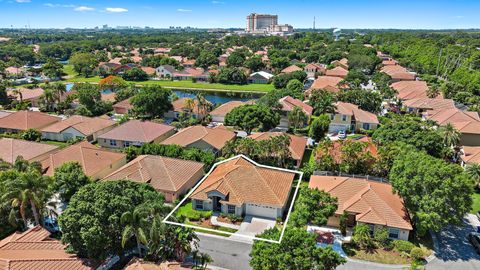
342, 135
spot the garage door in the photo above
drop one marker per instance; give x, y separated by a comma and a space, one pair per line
337, 127
261, 211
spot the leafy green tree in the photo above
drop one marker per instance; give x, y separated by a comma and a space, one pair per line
297, 251
322, 102
362, 237
295, 85
151, 102
3, 94
281, 80
249, 117
235, 59
297, 118
125, 93
451, 136
436, 193
99, 204
313, 207
206, 59
68, 179
90, 99
355, 78
279, 63
52, 69
473, 171
319, 127
254, 63
83, 63
135, 74
231, 76
31, 134
366, 100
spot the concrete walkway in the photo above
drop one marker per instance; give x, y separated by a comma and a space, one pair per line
215, 222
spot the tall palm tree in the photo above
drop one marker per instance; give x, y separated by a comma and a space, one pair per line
474, 171
189, 105
297, 118
205, 259
134, 222
184, 237
18, 92
451, 136
60, 89
48, 98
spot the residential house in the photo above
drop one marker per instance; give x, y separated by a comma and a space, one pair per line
135, 132
137, 264
123, 107
343, 63
337, 72
106, 67
22, 120
162, 51
410, 90
165, 71
328, 83
181, 105
365, 201
205, 138
11, 149
313, 70
35, 249
291, 69
288, 104
470, 155
262, 77
32, 96
151, 72
348, 116
4, 114
96, 162
241, 187
188, 63
123, 68
15, 72
297, 144
467, 123
170, 176
398, 73
389, 62
219, 113
420, 105
77, 127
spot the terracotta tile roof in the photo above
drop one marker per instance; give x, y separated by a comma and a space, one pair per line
430, 103
359, 114
14, 70
162, 173
288, 103
326, 82
398, 72
4, 113
216, 137
337, 72
179, 105
124, 104
313, 66
297, 144
27, 94
291, 68
341, 62
390, 62
23, 120
465, 122
85, 125
92, 158
149, 70
137, 264
411, 89
372, 202
471, 154
225, 108
241, 182
196, 72
10, 149
137, 131
34, 249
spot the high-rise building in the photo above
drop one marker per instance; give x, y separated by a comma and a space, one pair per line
266, 24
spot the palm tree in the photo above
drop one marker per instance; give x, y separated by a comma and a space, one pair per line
134, 222
59, 89
297, 118
205, 260
474, 171
189, 105
49, 98
451, 136
18, 92
184, 237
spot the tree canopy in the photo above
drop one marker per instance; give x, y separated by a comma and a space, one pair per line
151, 102
249, 117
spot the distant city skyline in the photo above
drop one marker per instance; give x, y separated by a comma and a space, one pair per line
407, 14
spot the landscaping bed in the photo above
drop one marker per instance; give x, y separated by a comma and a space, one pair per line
230, 219
378, 255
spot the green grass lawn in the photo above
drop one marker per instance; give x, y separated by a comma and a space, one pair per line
307, 156
476, 203
59, 144
376, 255
73, 77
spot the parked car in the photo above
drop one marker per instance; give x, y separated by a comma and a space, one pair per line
474, 239
342, 135
51, 225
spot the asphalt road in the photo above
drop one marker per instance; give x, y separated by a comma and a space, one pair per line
226, 253
455, 252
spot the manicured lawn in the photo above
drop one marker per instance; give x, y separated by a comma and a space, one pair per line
376, 255
184, 210
476, 203
218, 229
68, 69
59, 144
307, 156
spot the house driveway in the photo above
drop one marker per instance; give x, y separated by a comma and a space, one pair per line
252, 226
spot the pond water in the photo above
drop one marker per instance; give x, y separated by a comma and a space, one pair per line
213, 97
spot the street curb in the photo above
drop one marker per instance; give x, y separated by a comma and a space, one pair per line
435, 247
386, 266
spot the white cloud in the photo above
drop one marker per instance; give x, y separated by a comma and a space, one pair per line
116, 10
83, 8
217, 2
58, 5
22, 1
184, 10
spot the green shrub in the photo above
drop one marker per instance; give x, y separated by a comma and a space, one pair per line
361, 236
403, 246
235, 218
416, 254
381, 237
206, 214
194, 215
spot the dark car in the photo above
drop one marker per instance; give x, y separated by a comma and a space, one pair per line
474, 239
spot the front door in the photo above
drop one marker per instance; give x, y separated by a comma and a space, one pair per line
217, 207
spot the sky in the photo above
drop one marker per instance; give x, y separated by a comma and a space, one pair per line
405, 14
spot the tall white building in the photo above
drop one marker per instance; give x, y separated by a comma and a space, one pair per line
260, 22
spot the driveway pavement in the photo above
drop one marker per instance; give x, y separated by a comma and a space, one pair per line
455, 252
252, 226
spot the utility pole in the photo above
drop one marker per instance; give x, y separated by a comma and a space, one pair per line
314, 23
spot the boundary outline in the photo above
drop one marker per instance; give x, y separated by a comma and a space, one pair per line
295, 194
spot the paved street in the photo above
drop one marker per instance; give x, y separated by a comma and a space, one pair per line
226, 253
455, 250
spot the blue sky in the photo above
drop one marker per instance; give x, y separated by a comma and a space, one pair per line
424, 14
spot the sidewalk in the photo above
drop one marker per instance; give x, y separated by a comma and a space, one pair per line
215, 222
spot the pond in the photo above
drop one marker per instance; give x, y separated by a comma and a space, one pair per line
212, 96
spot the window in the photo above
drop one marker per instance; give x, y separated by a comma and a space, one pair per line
366, 126
393, 233
344, 118
332, 116
198, 205
113, 143
127, 143
231, 209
